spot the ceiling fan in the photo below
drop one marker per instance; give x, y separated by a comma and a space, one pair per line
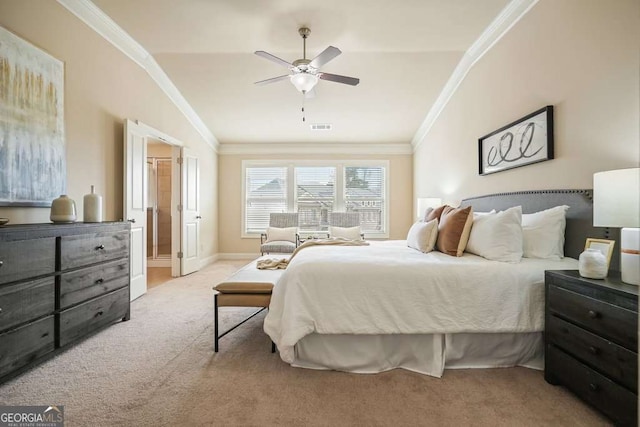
304, 72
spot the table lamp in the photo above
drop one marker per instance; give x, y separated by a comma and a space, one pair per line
425, 203
616, 203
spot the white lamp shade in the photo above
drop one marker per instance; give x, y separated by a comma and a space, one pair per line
616, 198
304, 82
425, 203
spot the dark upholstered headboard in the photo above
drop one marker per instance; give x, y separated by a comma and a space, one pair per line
579, 216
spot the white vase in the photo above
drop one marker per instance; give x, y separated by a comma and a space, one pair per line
592, 264
92, 207
63, 209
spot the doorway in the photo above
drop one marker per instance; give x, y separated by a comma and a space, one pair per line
159, 216
185, 205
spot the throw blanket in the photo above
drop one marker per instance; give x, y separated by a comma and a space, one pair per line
281, 263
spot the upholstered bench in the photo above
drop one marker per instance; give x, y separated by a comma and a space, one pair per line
247, 287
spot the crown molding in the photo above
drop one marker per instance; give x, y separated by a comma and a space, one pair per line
97, 20
506, 19
314, 148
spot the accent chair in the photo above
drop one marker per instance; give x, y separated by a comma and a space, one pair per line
280, 238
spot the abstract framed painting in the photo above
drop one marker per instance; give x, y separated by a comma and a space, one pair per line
527, 140
32, 137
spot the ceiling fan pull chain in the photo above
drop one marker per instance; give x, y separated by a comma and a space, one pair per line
303, 113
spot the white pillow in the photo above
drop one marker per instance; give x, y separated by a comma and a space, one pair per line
350, 233
543, 233
276, 234
423, 235
497, 236
477, 214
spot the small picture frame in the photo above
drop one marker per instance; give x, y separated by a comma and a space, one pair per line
604, 246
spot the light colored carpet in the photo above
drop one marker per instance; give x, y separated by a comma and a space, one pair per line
159, 369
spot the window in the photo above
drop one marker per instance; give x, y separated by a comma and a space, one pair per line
364, 193
266, 192
315, 197
314, 189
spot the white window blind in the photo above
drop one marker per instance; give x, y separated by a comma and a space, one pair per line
315, 196
364, 191
266, 192
314, 190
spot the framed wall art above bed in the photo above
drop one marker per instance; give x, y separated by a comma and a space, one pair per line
527, 140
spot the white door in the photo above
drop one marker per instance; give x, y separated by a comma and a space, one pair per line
135, 201
190, 204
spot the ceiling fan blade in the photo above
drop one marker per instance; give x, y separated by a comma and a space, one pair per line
272, 80
275, 59
339, 79
325, 56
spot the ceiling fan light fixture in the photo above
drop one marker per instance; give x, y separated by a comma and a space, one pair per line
304, 82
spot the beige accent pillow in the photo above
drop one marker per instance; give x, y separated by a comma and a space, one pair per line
350, 233
277, 234
423, 235
454, 229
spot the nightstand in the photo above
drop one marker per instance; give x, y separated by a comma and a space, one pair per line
591, 341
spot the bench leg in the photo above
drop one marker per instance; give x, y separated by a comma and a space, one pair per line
215, 323
215, 326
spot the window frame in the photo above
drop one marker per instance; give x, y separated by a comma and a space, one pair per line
339, 202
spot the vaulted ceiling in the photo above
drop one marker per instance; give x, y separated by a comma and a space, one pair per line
403, 51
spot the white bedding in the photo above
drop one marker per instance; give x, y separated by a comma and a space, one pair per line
388, 288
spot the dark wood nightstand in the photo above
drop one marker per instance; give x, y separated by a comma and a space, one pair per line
591, 341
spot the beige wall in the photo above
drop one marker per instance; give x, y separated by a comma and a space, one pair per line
580, 56
102, 88
230, 191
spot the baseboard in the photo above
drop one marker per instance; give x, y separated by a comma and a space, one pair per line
159, 262
209, 260
231, 256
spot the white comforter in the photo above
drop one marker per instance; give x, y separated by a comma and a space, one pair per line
388, 288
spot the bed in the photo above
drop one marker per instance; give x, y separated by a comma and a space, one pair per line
369, 309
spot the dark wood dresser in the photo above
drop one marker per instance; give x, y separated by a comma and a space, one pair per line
591, 341
59, 283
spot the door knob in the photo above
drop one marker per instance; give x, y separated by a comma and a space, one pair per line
198, 217
132, 220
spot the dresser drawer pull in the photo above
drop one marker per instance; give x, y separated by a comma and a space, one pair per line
594, 350
100, 313
1, 263
100, 248
593, 314
0, 310
594, 387
99, 281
